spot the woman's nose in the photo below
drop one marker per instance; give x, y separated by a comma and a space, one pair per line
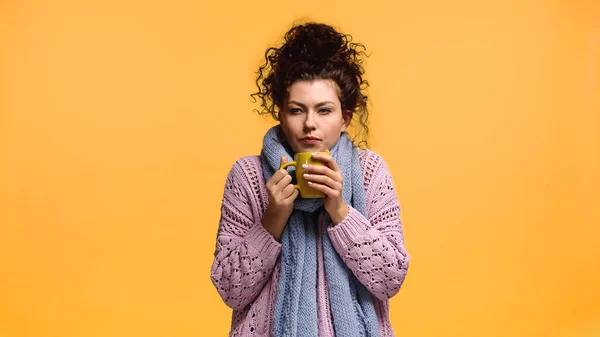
309, 121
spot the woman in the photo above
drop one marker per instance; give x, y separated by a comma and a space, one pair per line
289, 266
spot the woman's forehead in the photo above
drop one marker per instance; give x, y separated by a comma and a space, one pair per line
313, 92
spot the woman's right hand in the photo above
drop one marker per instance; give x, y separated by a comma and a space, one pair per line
281, 201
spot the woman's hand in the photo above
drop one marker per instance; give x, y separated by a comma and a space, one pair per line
329, 180
281, 201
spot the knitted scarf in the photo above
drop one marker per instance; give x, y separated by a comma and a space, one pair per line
351, 304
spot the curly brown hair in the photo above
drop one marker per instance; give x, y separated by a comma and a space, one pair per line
316, 51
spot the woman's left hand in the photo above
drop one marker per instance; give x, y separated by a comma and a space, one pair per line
329, 180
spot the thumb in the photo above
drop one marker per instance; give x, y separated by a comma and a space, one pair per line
283, 160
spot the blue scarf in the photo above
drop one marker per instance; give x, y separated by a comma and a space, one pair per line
351, 304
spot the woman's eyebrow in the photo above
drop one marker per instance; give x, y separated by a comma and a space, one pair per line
304, 106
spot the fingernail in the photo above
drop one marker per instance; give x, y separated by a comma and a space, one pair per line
304, 166
306, 175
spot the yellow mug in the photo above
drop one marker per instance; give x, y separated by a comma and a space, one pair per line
300, 159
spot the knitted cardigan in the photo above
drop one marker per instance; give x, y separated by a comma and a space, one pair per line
246, 260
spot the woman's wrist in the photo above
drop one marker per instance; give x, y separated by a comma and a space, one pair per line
273, 223
340, 214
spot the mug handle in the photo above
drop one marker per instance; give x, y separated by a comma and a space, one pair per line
289, 164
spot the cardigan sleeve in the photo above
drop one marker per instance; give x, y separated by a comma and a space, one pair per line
245, 253
373, 247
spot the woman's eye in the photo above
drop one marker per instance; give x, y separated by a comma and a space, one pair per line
295, 111
324, 111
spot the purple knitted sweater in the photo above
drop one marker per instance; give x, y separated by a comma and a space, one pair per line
246, 265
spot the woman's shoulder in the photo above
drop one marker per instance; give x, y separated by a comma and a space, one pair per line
248, 169
373, 166
370, 158
247, 162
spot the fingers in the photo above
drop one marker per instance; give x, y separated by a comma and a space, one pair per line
277, 177
280, 181
323, 180
284, 181
279, 174
283, 192
320, 169
326, 178
328, 160
324, 170
330, 192
289, 191
293, 196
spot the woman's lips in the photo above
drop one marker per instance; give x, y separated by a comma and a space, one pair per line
309, 140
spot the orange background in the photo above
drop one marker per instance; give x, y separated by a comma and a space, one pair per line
119, 121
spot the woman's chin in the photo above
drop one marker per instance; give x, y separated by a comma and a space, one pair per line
311, 149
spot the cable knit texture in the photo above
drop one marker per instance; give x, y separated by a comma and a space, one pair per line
246, 267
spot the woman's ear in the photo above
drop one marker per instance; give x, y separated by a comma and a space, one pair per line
279, 112
347, 117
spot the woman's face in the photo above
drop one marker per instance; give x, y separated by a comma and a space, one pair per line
312, 118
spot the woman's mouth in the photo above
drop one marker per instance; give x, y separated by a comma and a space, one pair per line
309, 140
